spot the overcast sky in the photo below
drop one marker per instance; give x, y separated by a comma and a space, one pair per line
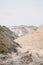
21, 12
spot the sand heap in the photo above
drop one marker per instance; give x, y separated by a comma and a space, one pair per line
34, 39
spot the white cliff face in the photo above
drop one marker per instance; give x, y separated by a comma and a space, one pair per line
22, 30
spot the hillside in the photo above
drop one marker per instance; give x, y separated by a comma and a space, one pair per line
7, 44
25, 50
34, 39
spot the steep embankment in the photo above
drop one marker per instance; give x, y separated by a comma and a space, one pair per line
7, 44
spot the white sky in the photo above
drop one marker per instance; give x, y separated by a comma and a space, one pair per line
21, 12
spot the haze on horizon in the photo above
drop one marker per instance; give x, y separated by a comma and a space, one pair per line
21, 12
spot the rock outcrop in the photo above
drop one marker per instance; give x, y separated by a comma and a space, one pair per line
8, 32
7, 44
31, 57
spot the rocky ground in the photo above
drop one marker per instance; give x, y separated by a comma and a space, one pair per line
31, 57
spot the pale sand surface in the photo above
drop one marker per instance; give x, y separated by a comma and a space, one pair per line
34, 39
